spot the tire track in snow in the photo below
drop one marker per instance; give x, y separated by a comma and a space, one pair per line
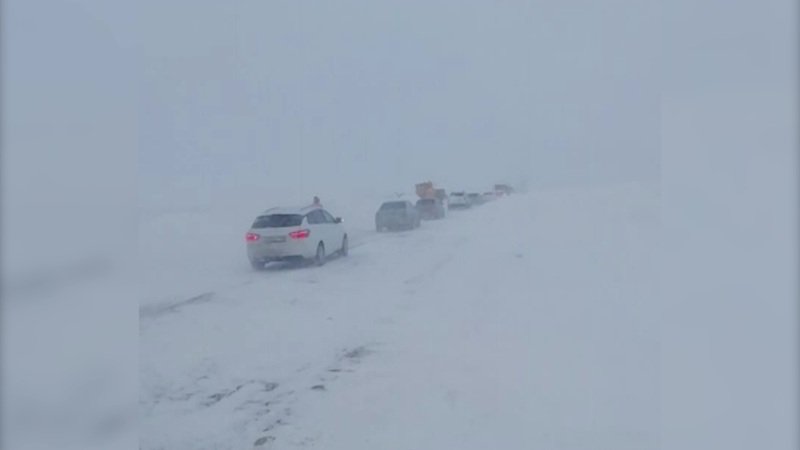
151, 311
344, 362
245, 406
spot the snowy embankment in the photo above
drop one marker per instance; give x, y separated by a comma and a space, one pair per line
529, 322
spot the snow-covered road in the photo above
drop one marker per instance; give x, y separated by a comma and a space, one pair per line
530, 322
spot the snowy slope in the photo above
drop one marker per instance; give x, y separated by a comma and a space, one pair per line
526, 323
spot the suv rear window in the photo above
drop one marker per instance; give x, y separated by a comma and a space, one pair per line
393, 206
278, 221
426, 202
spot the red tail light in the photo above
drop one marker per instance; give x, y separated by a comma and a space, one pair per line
300, 234
252, 237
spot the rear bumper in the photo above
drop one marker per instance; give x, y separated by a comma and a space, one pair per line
284, 251
294, 258
389, 222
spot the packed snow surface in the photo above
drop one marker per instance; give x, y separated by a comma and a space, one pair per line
528, 322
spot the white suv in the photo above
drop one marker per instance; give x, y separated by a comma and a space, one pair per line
459, 200
283, 234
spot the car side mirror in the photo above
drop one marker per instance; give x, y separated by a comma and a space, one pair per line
337, 220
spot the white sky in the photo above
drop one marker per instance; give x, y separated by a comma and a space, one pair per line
221, 97
363, 93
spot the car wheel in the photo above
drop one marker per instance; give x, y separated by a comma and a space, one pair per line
345, 250
319, 259
257, 264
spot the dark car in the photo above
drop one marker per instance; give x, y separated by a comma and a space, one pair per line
475, 198
397, 214
430, 208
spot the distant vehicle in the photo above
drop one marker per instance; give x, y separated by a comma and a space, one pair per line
489, 196
475, 198
430, 208
397, 214
441, 194
502, 189
292, 234
428, 190
459, 200
425, 190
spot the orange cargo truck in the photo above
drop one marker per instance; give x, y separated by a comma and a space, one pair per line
426, 190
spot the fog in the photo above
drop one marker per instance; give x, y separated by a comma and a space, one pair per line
637, 290
221, 99
264, 95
